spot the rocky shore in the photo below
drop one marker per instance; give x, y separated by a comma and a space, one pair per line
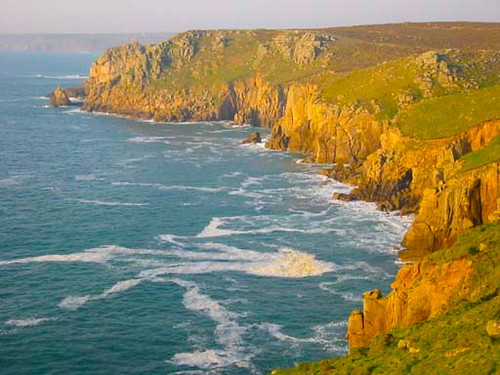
411, 128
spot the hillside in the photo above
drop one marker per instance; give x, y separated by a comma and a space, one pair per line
408, 113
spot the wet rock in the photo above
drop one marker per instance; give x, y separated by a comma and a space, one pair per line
253, 138
59, 98
344, 197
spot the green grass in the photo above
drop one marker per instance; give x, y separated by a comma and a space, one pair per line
378, 83
454, 343
489, 154
450, 115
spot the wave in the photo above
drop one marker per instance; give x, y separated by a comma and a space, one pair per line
106, 203
95, 255
286, 263
329, 335
69, 76
213, 229
72, 111
169, 187
75, 302
85, 177
228, 333
10, 181
150, 140
30, 322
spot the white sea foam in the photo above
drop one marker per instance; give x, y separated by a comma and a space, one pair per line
73, 111
329, 335
293, 263
95, 255
213, 229
275, 330
75, 302
286, 263
169, 187
91, 257
68, 76
30, 322
150, 140
106, 203
85, 177
10, 181
228, 332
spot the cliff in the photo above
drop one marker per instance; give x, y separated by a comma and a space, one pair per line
410, 114
440, 317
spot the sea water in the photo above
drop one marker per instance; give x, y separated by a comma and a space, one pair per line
128, 247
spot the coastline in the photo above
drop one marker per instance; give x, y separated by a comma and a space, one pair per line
402, 163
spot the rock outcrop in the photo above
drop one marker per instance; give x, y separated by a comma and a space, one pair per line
253, 137
456, 205
59, 98
421, 292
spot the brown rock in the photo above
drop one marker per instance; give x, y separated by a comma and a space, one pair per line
344, 197
253, 138
59, 98
421, 291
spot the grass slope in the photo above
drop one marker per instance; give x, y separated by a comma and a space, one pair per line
489, 154
450, 115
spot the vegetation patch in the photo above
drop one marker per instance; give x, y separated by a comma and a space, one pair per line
447, 116
488, 154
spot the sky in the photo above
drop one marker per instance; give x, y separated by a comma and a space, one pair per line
121, 16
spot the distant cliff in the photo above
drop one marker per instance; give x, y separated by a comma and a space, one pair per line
408, 113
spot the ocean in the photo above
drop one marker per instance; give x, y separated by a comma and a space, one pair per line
128, 247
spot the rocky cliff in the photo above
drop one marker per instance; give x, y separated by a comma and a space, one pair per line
438, 319
415, 130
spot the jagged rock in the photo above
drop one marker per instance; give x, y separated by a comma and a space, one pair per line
59, 98
253, 137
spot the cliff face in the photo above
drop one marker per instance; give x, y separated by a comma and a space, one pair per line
332, 133
459, 204
420, 292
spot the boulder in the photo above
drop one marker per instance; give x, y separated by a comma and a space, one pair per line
493, 328
59, 98
344, 197
253, 137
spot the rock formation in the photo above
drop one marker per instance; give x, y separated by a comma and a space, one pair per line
253, 137
59, 98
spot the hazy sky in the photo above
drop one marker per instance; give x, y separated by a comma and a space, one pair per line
95, 16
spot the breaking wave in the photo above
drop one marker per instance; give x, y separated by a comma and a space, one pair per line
30, 322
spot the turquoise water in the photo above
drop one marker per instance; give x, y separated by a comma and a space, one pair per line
128, 247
